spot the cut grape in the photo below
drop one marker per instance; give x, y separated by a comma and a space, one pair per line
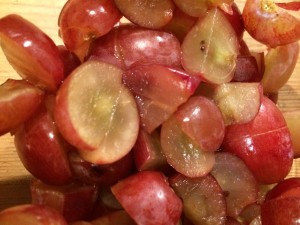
201, 120
236, 180
150, 83
93, 109
250, 212
82, 21
235, 18
152, 14
235, 99
71, 61
41, 149
182, 153
210, 48
17, 96
73, 201
29, 214
193, 8
203, 199
147, 197
264, 144
31, 52
127, 45
280, 63
270, 24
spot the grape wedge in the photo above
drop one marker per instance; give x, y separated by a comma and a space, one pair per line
96, 113
203, 199
150, 83
127, 45
31, 52
280, 63
29, 214
152, 14
41, 149
185, 150
147, 197
193, 8
210, 48
264, 143
17, 96
236, 180
82, 21
74, 201
234, 99
269, 24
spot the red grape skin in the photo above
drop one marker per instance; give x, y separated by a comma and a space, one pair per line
202, 121
31, 52
150, 83
41, 149
203, 199
152, 14
264, 144
127, 45
82, 21
29, 214
237, 181
148, 198
281, 211
17, 96
65, 198
269, 24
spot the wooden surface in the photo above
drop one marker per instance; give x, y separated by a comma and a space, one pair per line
14, 179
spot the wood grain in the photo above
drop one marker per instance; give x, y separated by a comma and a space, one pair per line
14, 179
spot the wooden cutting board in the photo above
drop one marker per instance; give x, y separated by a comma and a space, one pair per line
14, 179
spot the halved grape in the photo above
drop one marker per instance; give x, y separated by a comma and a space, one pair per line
210, 48
270, 24
17, 96
280, 63
93, 109
152, 14
203, 199
236, 180
31, 52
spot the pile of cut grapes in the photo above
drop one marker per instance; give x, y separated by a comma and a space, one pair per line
169, 118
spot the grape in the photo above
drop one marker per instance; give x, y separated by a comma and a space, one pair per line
264, 144
41, 148
211, 53
82, 21
31, 52
279, 65
203, 199
30, 214
127, 45
152, 14
150, 82
65, 198
154, 112
161, 206
17, 96
269, 24
106, 108
237, 181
